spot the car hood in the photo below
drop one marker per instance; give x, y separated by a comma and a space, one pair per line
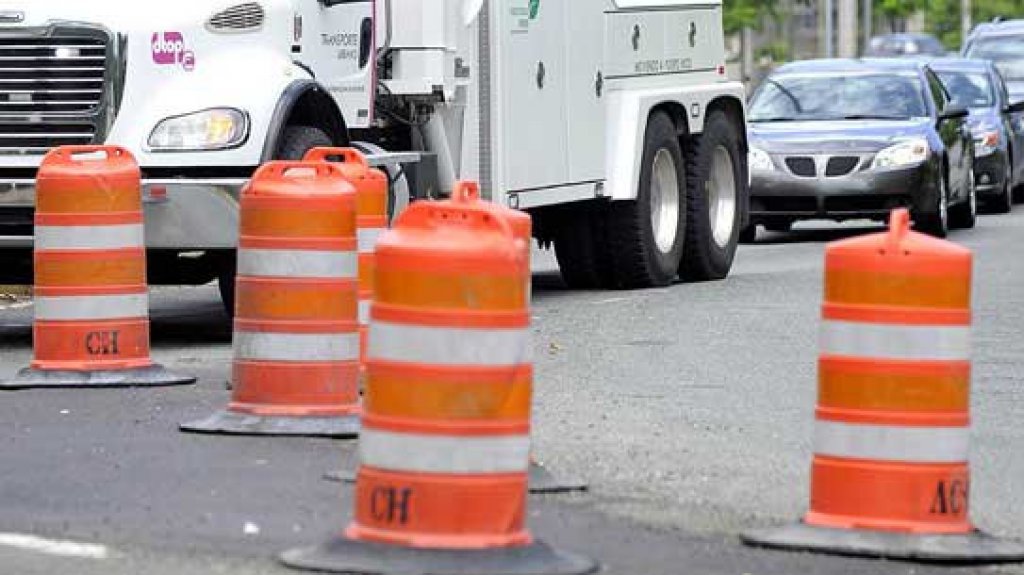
1016, 90
816, 137
984, 117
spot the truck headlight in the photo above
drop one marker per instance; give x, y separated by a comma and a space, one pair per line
213, 129
905, 153
759, 160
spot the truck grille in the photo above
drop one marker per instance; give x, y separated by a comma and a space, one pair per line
52, 88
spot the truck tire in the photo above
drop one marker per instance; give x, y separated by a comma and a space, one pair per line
715, 193
578, 248
645, 236
295, 142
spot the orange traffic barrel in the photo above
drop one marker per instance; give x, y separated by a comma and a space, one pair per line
890, 475
371, 187
444, 449
296, 335
91, 326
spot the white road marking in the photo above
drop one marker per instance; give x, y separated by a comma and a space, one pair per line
54, 546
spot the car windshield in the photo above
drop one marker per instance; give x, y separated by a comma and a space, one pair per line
971, 89
1006, 51
838, 96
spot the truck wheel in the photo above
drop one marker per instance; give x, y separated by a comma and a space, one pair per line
645, 236
579, 250
297, 140
715, 190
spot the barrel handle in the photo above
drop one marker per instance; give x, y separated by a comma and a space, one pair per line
347, 155
899, 227
465, 192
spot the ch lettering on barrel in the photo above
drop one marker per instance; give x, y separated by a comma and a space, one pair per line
950, 498
390, 504
102, 342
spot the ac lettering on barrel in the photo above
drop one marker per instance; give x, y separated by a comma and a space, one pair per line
390, 504
950, 498
102, 342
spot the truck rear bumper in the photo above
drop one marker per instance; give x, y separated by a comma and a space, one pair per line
180, 214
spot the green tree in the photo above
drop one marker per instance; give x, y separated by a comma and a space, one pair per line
739, 14
942, 17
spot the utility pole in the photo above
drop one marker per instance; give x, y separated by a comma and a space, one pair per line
965, 19
847, 33
868, 23
829, 9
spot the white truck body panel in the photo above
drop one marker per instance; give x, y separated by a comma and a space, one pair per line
545, 102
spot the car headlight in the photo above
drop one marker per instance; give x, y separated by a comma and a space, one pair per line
905, 153
213, 129
759, 160
986, 141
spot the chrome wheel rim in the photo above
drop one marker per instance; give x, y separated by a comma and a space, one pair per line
664, 200
722, 196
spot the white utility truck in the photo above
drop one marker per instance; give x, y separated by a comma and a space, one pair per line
611, 122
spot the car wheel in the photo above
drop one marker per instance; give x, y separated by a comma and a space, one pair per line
645, 236
934, 220
716, 188
965, 214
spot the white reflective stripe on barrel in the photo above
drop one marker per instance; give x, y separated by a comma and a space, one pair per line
91, 307
891, 442
368, 239
296, 346
422, 453
906, 342
449, 345
297, 263
89, 237
364, 311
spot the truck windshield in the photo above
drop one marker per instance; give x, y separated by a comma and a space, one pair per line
838, 96
1006, 51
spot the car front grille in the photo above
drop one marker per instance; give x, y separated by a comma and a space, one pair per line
801, 166
52, 88
841, 165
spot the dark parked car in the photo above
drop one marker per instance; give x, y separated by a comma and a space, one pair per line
1001, 42
902, 45
854, 139
995, 123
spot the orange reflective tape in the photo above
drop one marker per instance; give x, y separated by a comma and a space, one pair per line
119, 267
296, 299
906, 418
295, 388
438, 289
464, 427
440, 511
912, 498
894, 386
294, 219
433, 393
103, 344
448, 318
367, 272
896, 315
897, 289
85, 195
89, 219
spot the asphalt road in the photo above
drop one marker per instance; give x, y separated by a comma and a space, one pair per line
688, 410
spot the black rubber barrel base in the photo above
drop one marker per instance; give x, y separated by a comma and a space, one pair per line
152, 376
541, 480
969, 548
234, 423
342, 555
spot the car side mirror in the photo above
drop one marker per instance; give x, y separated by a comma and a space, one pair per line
954, 112
1015, 108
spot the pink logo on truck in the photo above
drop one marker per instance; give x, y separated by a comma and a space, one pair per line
169, 48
